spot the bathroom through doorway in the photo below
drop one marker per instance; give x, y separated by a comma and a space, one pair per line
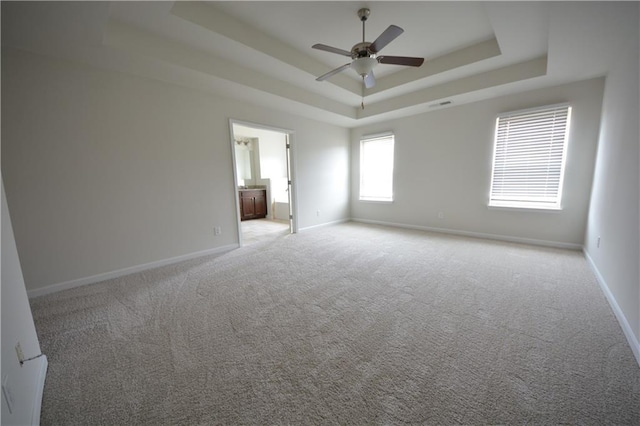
263, 175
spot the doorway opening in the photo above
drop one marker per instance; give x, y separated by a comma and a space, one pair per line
264, 181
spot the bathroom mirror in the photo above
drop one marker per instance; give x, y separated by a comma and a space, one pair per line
244, 162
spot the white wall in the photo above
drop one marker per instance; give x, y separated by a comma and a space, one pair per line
443, 164
273, 166
25, 382
270, 159
273, 155
614, 211
105, 171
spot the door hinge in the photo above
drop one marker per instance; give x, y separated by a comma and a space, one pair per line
288, 145
289, 182
290, 216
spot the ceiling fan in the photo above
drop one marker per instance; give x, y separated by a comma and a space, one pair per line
364, 55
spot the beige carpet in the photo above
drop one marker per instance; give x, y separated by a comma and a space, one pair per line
348, 324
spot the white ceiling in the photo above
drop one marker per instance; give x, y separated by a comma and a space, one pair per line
260, 52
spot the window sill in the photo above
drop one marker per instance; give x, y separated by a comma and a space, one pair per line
523, 208
375, 201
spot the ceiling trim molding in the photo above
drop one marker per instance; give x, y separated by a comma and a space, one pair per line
215, 20
447, 62
505, 75
133, 40
212, 19
126, 38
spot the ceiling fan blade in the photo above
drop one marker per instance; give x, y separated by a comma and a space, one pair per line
332, 72
385, 38
369, 80
401, 60
331, 49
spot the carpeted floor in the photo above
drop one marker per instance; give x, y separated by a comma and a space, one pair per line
347, 324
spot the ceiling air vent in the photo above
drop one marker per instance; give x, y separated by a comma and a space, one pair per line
440, 104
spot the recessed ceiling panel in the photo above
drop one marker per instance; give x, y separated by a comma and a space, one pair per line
431, 28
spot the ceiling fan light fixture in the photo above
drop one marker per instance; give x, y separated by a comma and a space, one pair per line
363, 66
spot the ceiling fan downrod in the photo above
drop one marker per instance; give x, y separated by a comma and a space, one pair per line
363, 14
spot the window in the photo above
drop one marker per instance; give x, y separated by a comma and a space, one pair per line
529, 156
376, 168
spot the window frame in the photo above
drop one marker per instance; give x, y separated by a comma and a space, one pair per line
527, 205
371, 138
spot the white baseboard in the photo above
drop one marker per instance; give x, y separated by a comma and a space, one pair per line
53, 288
335, 222
622, 320
545, 243
37, 404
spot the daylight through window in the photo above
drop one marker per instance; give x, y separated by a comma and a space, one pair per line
376, 168
529, 157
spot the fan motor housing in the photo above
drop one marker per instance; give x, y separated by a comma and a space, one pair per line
361, 50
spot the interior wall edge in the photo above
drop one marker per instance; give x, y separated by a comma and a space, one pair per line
43, 364
321, 225
54, 288
497, 237
23, 382
622, 320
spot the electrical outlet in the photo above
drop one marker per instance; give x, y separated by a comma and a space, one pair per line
598, 243
217, 230
7, 392
440, 215
317, 212
19, 352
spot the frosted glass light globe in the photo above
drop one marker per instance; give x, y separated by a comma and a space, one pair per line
363, 66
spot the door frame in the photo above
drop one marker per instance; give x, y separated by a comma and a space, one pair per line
293, 194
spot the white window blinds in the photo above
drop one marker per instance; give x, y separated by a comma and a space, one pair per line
376, 168
529, 157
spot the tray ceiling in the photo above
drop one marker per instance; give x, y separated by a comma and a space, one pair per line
260, 52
